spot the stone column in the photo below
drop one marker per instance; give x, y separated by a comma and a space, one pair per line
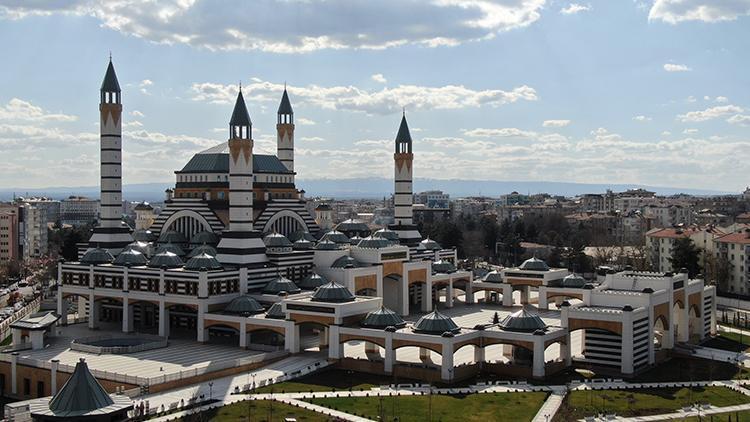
543, 303
389, 355
93, 312
627, 341
291, 337
449, 294
537, 370
37, 339
54, 364
683, 325
427, 295
479, 355
469, 291
525, 295
243, 335
424, 354
163, 319
127, 315
16, 336
565, 354
14, 373
446, 368
202, 331
334, 346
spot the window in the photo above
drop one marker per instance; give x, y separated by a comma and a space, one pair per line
26, 387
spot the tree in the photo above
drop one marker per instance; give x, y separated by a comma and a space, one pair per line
686, 255
717, 271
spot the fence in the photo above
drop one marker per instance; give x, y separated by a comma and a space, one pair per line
30, 308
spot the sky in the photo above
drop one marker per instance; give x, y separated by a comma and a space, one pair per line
610, 91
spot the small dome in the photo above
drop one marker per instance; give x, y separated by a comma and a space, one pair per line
205, 237
171, 247
302, 245
280, 284
371, 242
429, 245
387, 234
383, 318
275, 311
332, 293
243, 305
143, 206
323, 207
443, 267
354, 240
326, 245
202, 249
312, 281
523, 321
352, 226
336, 237
142, 247
493, 276
435, 323
131, 258
301, 234
277, 240
171, 236
96, 256
201, 261
165, 259
346, 261
574, 281
534, 264
143, 236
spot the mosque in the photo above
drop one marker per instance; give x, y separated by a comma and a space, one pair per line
235, 255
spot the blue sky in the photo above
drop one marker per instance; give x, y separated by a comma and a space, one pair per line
612, 91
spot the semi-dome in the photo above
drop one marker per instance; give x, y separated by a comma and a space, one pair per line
202, 261
165, 259
172, 236
534, 264
131, 258
244, 306
429, 245
353, 226
312, 281
443, 267
332, 293
205, 237
336, 237
143, 206
346, 261
354, 240
301, 234
493, 276
144, 235
280, 284
387, 234
202, 249
435, 323
326, 245
371, 242
170, 247
96, 256
574, 281
383, 318
275, 311
523, 321
276, 240
142, 247
302, 245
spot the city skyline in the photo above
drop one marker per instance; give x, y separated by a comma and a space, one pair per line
662, 105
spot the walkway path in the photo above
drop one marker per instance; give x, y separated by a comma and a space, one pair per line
324, 410
551, 405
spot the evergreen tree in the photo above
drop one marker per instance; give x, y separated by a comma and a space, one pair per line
686, 255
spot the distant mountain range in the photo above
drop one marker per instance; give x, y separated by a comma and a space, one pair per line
376, 187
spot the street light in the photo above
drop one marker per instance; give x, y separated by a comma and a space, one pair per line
210, 390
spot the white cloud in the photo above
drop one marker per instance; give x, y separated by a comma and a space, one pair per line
512, 132
20, 110
675, 11
690, 131
556, 123
642, 118
379, 78
666, 133
691, 99
709, 113
284, 26
304, 121
312, 139
671, 67
574, 8
739, 119
136, 113
144, 85
721, 99
351, 98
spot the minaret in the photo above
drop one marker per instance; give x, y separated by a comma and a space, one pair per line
285, 132
402, 195
110, 234
240, 245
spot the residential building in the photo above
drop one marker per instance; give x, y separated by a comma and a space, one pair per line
10, 216
660, 241
34, 231
79, 211
433, 199
735, 248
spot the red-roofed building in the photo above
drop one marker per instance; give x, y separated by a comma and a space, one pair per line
659, 243
735, 247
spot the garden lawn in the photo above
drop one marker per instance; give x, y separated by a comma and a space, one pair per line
471, 408
579, 404
260, 411
329, 380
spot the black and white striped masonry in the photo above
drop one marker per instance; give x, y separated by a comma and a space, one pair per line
240, 245
402, 195
110, 233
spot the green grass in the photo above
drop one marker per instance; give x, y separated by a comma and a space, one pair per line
729, 341
472, 408
7, 341
329, 380
259, 412
579, 404
721, 417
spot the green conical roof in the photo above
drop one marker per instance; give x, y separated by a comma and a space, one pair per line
285, 107
110, 84
240, 115
81, 394
403, 136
